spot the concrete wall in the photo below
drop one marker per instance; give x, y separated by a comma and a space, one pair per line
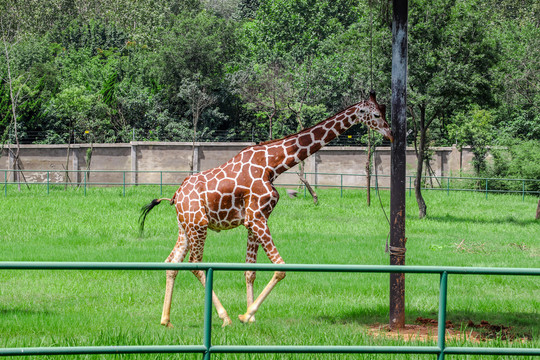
143, 162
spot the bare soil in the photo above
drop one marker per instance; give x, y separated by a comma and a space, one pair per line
426, 329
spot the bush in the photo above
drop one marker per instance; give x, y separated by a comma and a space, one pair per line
517, 161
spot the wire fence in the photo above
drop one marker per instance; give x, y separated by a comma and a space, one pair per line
207, 348
351, 138
85, 179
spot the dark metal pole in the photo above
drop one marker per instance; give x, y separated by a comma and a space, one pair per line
397, 182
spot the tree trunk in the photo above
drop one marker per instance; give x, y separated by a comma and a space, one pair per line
14, 103
310, 189
89, 153
67, 160
419, 127
270, 133
422, 208
538, 211
368, 185
368, 171
195, 122
302, 168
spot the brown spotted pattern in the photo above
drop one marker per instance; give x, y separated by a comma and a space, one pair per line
240, 192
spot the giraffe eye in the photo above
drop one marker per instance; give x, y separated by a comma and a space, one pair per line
362, 111
377, 116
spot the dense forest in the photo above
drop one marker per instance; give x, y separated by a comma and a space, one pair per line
227, 70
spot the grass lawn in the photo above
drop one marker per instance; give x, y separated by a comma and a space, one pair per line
79, 308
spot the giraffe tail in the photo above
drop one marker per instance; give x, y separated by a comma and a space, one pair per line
146, 209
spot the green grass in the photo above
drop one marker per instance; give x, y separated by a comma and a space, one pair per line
79, 308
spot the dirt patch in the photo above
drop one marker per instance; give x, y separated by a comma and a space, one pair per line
470, 247
426, 329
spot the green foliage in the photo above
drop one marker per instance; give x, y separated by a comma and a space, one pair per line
519, 74
132, 57
76, 111
92, 35
109, 90
517, 161
5, 110
474, 128
298, 26
450, 59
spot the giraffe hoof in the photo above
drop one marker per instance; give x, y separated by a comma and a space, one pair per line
245, 318
226, 322
167, 324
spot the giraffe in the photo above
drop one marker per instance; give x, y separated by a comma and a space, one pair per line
241, 192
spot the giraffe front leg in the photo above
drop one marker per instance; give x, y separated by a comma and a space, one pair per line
252, 309
273, 254
177, 255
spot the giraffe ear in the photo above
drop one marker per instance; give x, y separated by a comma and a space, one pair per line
373, 96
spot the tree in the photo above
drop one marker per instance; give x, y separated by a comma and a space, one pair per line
196, 95
518, 75
15, 83
450, 62
197, 46
263, 93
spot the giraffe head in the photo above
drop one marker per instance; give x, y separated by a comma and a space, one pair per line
374, 116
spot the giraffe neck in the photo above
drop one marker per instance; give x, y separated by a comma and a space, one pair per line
285, 153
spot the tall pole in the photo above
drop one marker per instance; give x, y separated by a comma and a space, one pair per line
397, 182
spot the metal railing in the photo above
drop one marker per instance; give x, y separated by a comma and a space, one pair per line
128, 178
207, 349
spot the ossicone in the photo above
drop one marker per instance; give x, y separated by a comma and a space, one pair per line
373, 96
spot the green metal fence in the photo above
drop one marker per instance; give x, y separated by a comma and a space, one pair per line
207, 349
125, 179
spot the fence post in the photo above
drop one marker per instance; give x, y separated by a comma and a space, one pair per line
48, 177
448, 185
124, 183
85, 183
5, 183
207, 336
341, 184
486, 188
441, 326
376, 183
161, 182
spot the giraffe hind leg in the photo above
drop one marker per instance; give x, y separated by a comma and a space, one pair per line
222, 313
177, 255
197, 247
251, 258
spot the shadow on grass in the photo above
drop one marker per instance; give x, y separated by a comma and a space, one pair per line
24, 312
502, 220
523, 324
